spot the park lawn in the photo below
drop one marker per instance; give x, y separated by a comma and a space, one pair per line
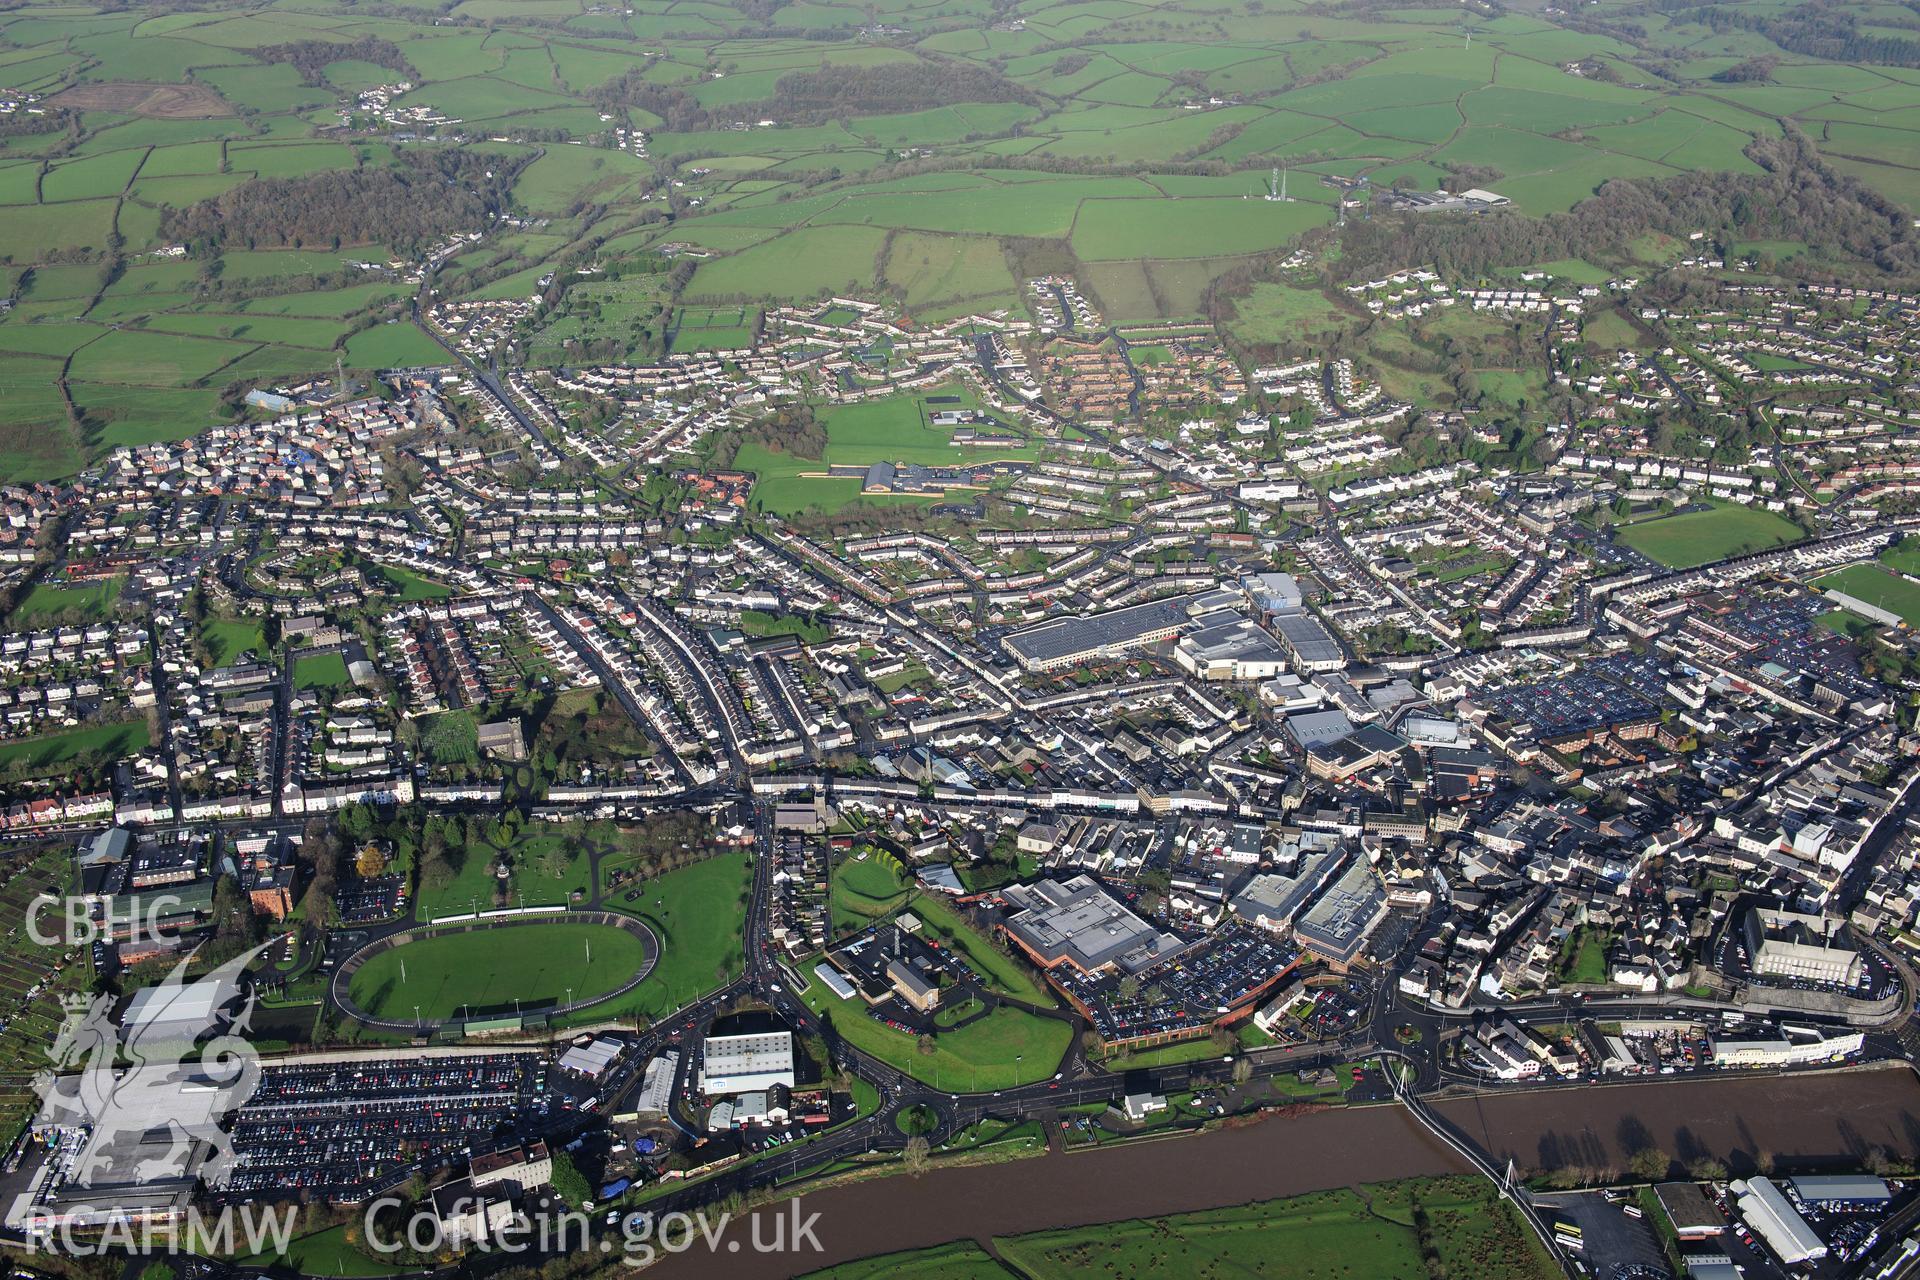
541, 873
1701, 537
864, 890
325, 1253
697, 913
1877, 587
487, 970
321, 671
228, 640
411, 586
50, 750
1008, 1048
1000, 971
49, 599
1167, 1055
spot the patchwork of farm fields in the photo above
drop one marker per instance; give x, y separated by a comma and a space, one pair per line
931, 163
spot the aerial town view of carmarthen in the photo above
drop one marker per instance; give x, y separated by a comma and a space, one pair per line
959, 639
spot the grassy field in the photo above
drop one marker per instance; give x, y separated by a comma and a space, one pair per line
713, 328
409, 586
862, 891
1383, 1233
1877, 587
226, 641
1007, 1048
326, 1253
49, 751
1700, 537
1000, 971
891, 429
49, 600
696, 913
321, 671
487, 970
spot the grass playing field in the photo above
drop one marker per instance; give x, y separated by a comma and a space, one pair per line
1701, 537
321, 671
487, 970
49, 600
1877, 587
51, 750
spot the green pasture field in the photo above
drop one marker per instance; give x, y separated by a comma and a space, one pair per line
90, 178
331, 303
1877, 587
36, 442
1278, 313
1700, 537
141, 415
487, 970
29, 233
1108, 229
931, 269
51, 283
395, 345
150, 358
1384, 1232
184, 158
806, 263
285, 331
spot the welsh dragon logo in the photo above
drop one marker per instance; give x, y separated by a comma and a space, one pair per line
115, 1090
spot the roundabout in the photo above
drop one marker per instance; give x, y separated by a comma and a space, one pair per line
552, 965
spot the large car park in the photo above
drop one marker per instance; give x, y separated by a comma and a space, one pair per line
348, 1130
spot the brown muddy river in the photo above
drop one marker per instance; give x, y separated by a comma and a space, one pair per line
1802, 1120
